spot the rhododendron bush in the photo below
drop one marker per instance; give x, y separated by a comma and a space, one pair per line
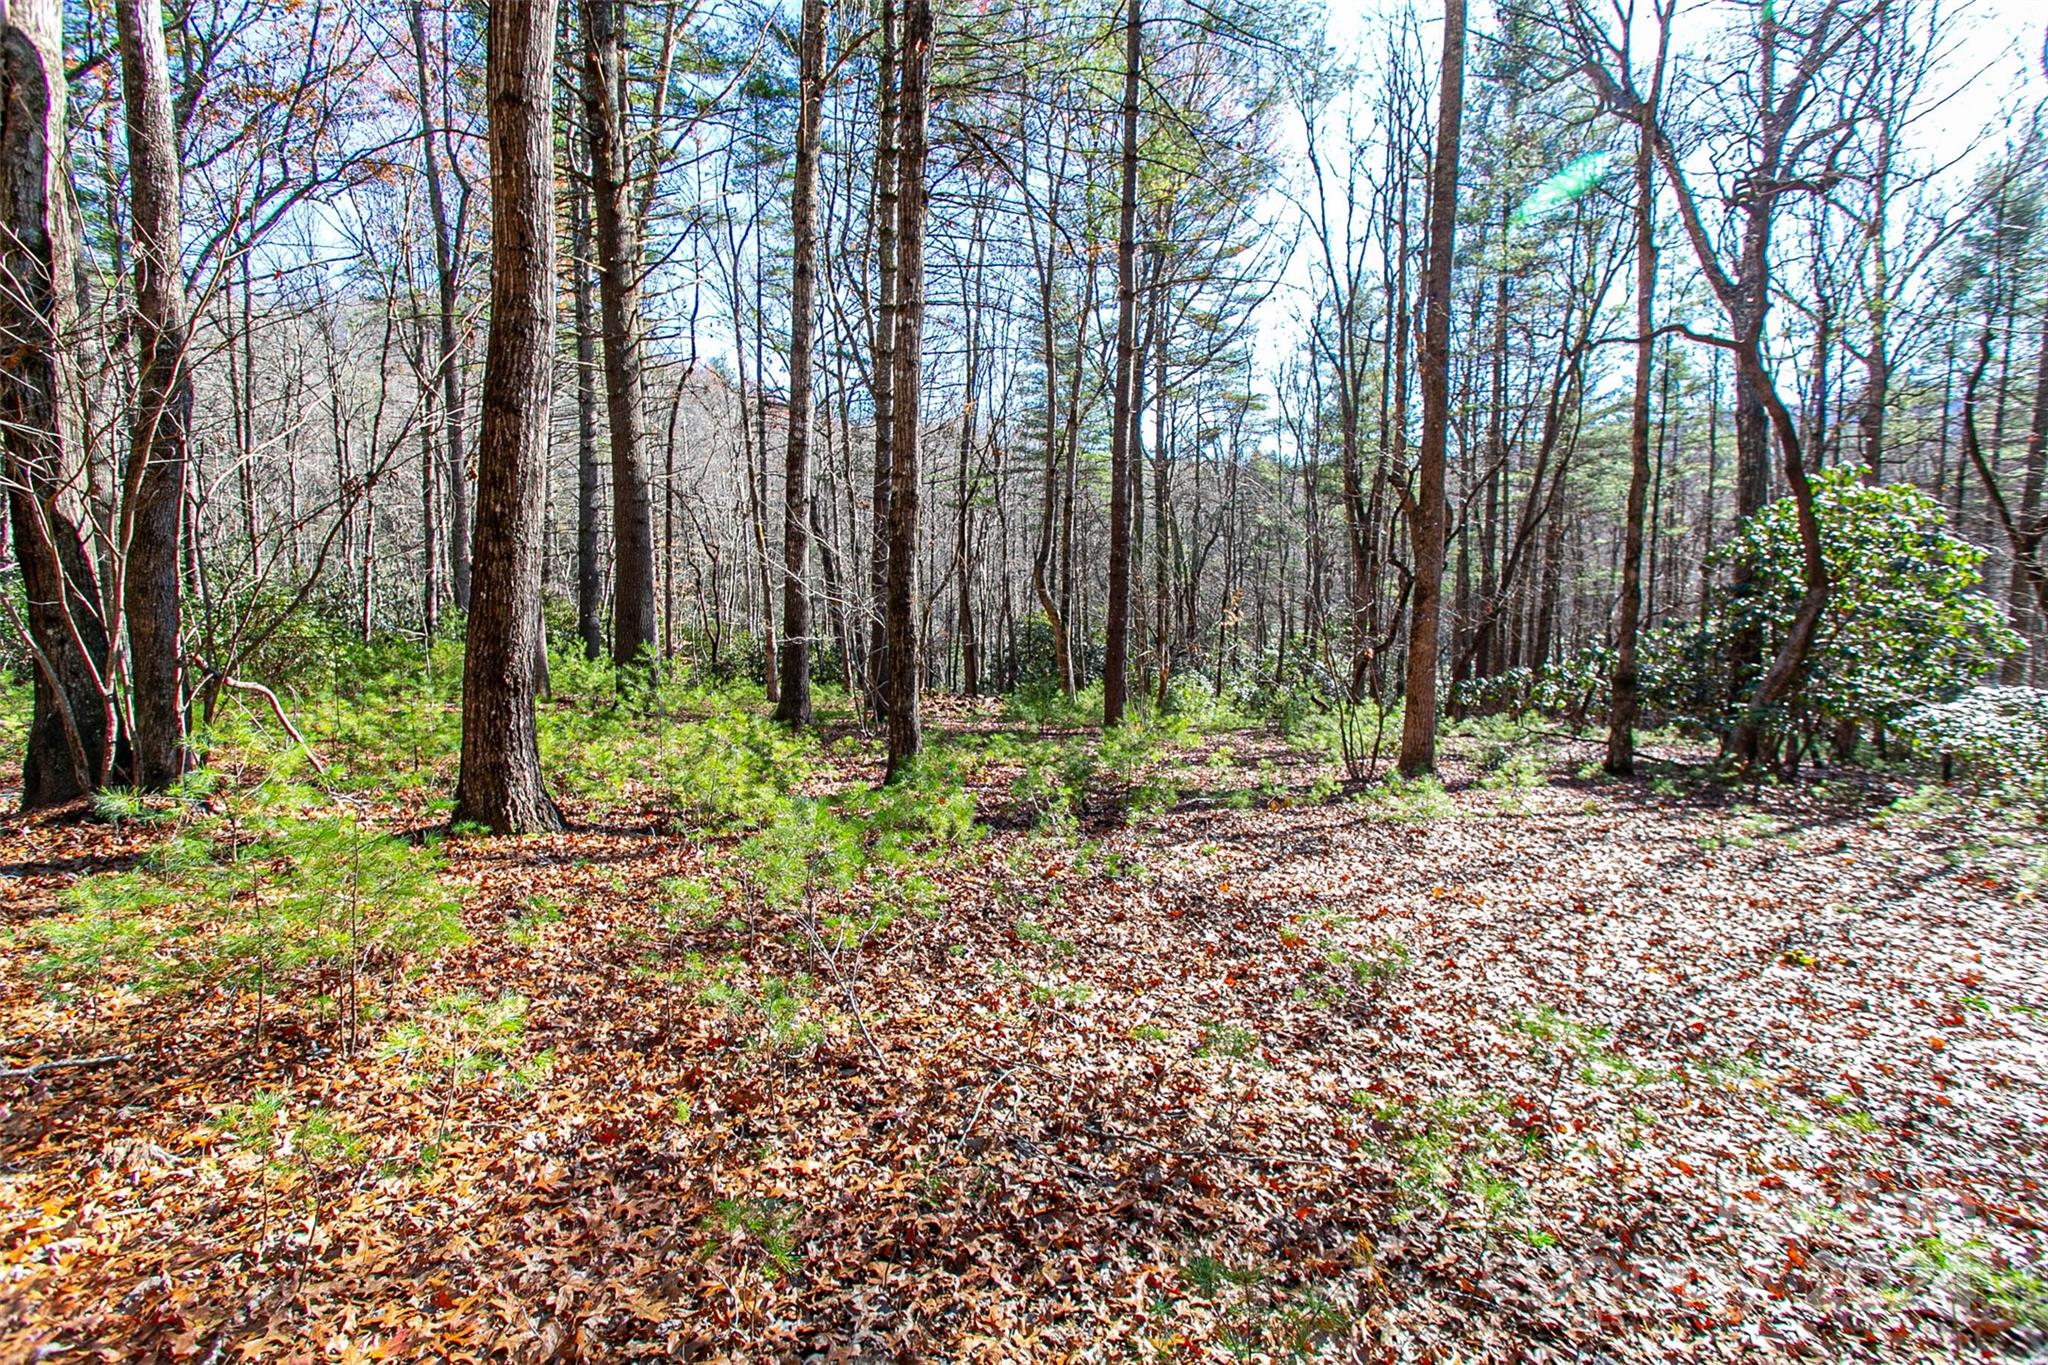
2000, 733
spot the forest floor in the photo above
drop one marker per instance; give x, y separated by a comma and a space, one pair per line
1537, 1066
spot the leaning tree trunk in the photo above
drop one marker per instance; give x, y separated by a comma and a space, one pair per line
900, 609
1426, 517
618, 286
500, 786
70, 731
1782, 677
794, 707
154, 484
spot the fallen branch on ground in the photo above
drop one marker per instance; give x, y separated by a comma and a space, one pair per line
64, 1063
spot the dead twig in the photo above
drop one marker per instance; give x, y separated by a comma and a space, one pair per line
64, 1063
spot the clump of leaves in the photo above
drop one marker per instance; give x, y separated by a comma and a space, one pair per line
1223, 1039
774, 1010
1458, 1157
1566, 1040
1376, 967
320, 1141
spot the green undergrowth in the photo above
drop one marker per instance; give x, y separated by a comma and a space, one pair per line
282, 893
887, 838
387, 718
1135, 770
1408, 801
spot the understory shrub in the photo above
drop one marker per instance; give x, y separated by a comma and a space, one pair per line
1904, 623
285, 893
1998, 734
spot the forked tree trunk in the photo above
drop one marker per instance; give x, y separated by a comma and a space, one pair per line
1426, 518
154, 482
70, 731
794, 707
500, 786
618, 287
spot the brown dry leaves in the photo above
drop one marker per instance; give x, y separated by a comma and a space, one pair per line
1584, 1072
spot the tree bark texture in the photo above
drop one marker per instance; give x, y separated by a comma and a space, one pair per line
154, 481
1426, 522
619, 268
905, 671
500, 784
794, 708
71, 729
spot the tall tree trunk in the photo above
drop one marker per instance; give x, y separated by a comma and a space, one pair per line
1625, 699
1162, 512
794, 708
963, 552
500, 785
889, 119
618, 286
1426, 517
589, 514
71, 728
1049, 356
2026, 567
1123, 415
905, 673
154, 482
447, 365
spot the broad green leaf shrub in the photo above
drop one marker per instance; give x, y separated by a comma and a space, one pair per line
1574, 687
1904, 625
1508, 692
1999, 735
